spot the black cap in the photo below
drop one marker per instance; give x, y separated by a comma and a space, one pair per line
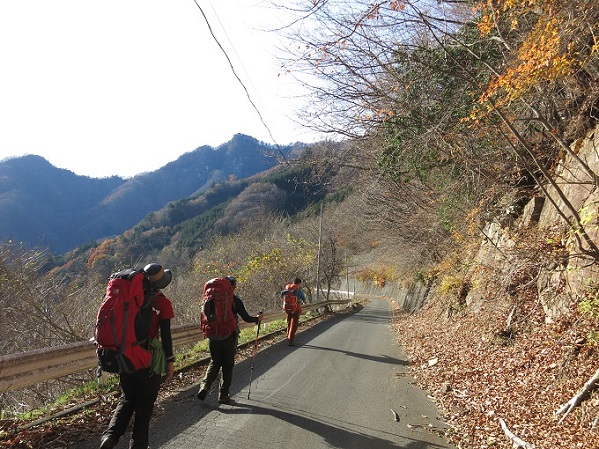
159, 277
231, 280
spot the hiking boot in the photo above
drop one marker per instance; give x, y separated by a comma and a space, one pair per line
202, 394
107, 442
223, 399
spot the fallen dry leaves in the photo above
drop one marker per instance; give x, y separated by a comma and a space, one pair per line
483, 374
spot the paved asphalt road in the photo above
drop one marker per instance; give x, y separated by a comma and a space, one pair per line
335, 389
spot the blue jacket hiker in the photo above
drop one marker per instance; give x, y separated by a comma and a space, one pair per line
293, 297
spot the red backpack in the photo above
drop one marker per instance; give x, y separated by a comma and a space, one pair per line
290, 298
123, 323
218, 319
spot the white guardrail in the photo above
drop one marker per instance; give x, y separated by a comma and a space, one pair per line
37, 366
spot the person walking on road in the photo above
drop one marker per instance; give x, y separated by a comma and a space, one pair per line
140, 388
293, 297
220, 311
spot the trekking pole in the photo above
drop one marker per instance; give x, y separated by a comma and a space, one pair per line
254, 358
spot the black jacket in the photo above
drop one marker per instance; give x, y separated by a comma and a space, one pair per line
239, 310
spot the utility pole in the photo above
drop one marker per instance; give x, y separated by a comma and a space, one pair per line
346, 273
318, 255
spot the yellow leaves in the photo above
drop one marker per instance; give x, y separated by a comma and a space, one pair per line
539, 59
485, 25
277, 259
477, 113
510, 4
266, 259
588, 214
510, 11
215, 269
457, 236
384, 113
450, 284
379, 275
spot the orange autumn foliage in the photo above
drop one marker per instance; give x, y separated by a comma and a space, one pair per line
550, 47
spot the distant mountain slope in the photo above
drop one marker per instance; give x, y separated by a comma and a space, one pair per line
175, 233
39, 202
42, 204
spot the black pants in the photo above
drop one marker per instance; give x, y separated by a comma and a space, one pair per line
222, 356
140, 391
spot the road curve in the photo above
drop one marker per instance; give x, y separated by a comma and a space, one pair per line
344, 385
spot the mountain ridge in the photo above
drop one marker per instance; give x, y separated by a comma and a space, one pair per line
44, 205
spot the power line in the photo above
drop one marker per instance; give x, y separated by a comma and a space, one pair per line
239, 79
248, 77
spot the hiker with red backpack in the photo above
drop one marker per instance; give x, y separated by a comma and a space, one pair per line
140, 382
219, 323
293, 297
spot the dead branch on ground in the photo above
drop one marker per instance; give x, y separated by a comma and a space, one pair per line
567, 408
516, 442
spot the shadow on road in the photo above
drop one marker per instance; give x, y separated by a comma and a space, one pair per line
342, 434
381, 359
371, 316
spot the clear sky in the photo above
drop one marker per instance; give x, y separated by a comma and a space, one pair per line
121, 87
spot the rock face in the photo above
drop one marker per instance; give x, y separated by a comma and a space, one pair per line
581, 191
558, 283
